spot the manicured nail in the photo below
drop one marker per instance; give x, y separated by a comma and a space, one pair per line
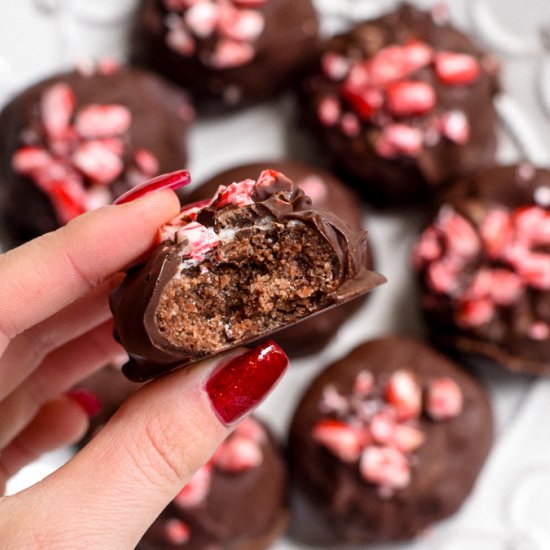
239, 386
173, 181
86, 399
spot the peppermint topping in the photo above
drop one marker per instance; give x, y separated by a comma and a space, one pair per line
240, 452
386, 95
76, 155
488, 266
198, 240
227, 29
378, 426
177, 532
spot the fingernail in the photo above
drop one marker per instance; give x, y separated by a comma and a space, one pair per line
87, 400
173, 181
239, 386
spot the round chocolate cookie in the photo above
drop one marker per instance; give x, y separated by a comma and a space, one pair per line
237, 501
326, 193
78, 140
401, 104
387, 441
226, 52
484, 267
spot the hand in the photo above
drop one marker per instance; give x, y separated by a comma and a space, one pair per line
55, 330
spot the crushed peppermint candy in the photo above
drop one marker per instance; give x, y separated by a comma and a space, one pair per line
378, 426
240, 452
226, 31
387, 92
79, 154
488, 267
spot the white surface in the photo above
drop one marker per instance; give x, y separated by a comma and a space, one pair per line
510, 507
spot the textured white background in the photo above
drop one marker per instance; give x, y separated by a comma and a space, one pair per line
510, 507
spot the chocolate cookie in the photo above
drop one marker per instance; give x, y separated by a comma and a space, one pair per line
388, 440
237, 501
76, 141
484, 267
401, 104
326, 193
226, 52
233, 269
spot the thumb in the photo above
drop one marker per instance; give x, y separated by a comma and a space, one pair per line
110, 493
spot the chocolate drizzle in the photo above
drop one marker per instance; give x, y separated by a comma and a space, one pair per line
134, 303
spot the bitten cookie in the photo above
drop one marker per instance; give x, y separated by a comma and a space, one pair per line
401, 104
484, 268
326, 193
237, 501
226, 52
388, 440
78, 140
235, 268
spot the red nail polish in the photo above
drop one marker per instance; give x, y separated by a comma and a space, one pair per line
174, 181
86, 399
240, 385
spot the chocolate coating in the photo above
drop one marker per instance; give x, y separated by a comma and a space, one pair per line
327, 193
159, 119
242, 511
514, 332
357, 142
135, 302
444, 469
287, 41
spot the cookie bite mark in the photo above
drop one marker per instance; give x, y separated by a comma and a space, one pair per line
251, 260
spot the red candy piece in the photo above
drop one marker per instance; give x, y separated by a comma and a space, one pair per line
407, 439
473, 313
341, 439
241, 25
231, 53
57, 107
329, 111
398, 62
460, 237
177, 532
336, 67
365, 101
196, 490
386, 467
68, 204
506, 287
403, 392
199, 240
98, 163
399, 139
496, 232
238, 454
382, 428
251, 430
97, 121
444, 399
364, 383
410, 98
146, 162
202, 18
456, 68
31, 159
455, 126
236, 193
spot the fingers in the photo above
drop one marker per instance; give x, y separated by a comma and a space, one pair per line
59, 422
150, 449
60, 371
45, 275
26, 351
